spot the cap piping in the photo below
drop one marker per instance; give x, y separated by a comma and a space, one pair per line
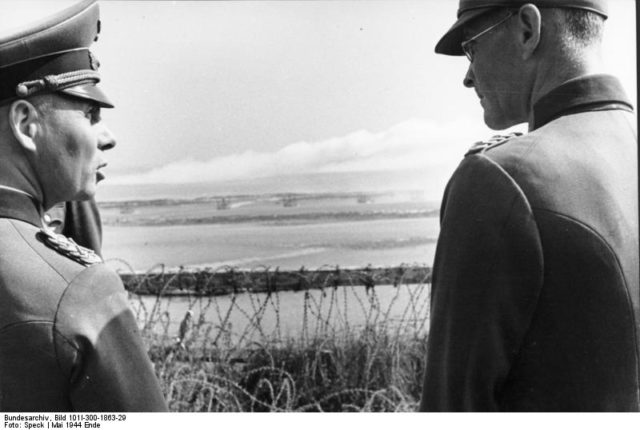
50, 54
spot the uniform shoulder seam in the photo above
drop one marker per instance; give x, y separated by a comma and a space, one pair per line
19, 323
56, 314
58, 334
37, 253
612, 252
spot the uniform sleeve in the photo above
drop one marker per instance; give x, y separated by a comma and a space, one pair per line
487, 276
108, 367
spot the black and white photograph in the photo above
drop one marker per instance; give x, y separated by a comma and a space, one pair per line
408, 206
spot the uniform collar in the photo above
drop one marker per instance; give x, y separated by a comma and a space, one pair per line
583, 94
14, 204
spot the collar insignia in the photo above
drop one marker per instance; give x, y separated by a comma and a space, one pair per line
496, 140
69, 248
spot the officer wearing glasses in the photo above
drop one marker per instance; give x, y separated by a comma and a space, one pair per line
535, 300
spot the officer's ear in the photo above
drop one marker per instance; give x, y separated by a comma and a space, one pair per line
529, 25
24, 121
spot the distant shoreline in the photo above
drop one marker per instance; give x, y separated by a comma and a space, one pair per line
269, 218
276, 208
172, 201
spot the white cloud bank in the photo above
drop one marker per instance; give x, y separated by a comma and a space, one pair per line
410, 145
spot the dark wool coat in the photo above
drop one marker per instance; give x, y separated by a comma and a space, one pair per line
535, 300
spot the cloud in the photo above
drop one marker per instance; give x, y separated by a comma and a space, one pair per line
410, 145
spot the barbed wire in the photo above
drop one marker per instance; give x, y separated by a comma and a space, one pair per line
269, 339
224, 280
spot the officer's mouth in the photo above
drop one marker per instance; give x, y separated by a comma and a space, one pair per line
99, 175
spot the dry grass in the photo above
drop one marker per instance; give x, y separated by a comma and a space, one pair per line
330, 363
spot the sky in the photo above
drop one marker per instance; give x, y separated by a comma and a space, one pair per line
219, 91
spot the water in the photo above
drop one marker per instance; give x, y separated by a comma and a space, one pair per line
386, 242
258, 316
322, 234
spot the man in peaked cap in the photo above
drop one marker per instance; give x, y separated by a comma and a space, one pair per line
69, 341
535, 280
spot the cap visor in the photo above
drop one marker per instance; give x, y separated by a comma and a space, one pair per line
89, 92
450, 43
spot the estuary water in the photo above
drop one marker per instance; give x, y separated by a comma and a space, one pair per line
316, 233
387, 242
288, 315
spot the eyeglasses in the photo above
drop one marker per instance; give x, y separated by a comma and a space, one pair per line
467, 45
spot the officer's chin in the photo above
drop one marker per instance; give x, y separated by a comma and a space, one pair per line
498, 122
86, 194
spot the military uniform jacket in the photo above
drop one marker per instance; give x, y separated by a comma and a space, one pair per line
535, 294
68, 339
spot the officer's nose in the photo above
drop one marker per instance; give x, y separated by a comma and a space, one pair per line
106, 139
468, 78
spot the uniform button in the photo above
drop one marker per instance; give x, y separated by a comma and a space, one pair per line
47, 218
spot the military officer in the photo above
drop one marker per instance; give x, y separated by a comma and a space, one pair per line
68, 339
535, 281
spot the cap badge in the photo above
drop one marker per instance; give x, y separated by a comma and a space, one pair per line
93, 61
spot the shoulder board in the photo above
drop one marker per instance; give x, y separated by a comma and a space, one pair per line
67, 247
494, 141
